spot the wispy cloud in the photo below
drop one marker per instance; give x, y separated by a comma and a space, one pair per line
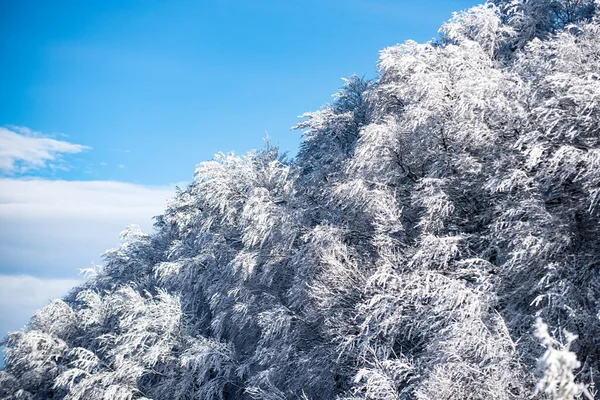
22, 149
54, 228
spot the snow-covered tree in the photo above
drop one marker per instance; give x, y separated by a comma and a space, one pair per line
431, 218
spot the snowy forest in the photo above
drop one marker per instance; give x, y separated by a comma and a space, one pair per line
436, 237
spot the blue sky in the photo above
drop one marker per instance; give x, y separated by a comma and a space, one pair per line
156, 86
108, 104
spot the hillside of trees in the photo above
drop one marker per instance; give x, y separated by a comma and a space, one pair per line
436, 237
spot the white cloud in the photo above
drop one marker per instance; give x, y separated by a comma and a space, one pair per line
51, 229
22, 149
54, 228
22, 295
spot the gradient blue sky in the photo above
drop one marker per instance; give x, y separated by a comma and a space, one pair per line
134, 93
157, 86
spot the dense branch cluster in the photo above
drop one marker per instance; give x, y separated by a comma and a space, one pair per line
431, 217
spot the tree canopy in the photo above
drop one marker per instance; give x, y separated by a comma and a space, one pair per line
436, 237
